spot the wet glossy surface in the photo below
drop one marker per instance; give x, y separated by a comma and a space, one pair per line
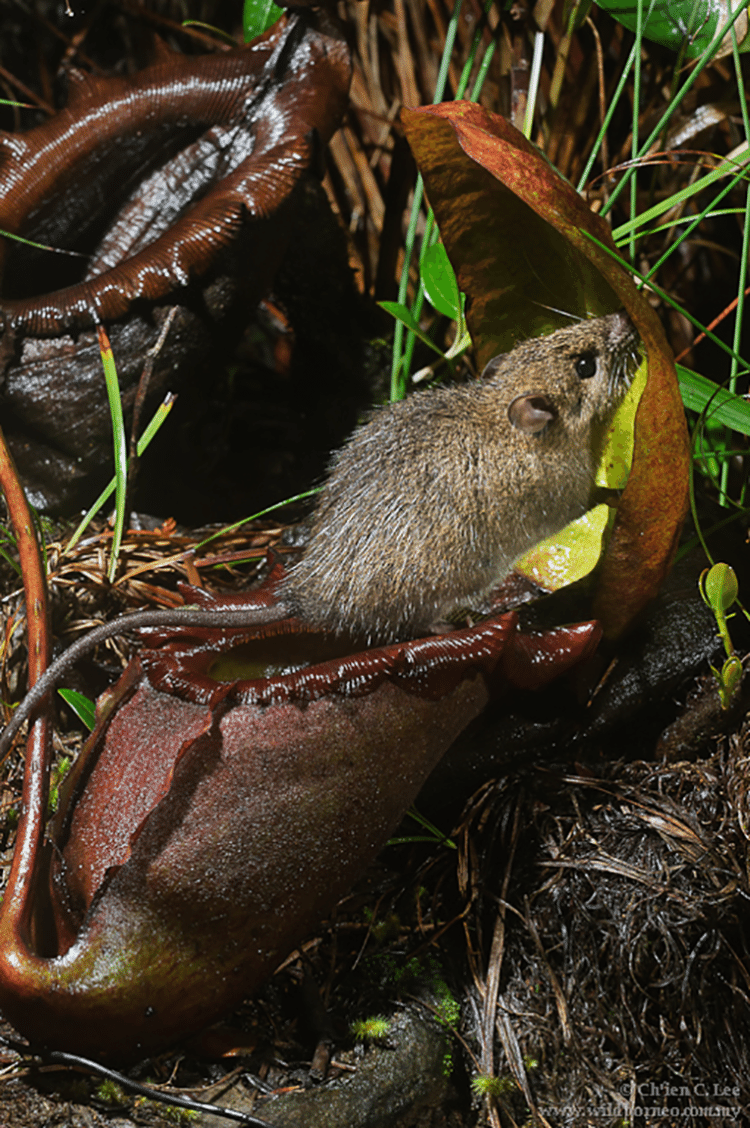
207, 826
179, 186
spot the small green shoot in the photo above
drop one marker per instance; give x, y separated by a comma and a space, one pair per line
448, 1008
375, 1029
82, 706
258, 16
493, 1087
109, 1092
385, 929
120, 447
428, 973
60, 770
719, 589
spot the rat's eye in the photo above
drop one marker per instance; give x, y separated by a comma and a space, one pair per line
586, 366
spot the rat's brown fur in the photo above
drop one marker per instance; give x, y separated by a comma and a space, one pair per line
429, 503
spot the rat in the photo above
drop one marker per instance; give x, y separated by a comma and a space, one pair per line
431, 501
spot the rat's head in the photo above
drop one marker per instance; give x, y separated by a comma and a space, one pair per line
570, 382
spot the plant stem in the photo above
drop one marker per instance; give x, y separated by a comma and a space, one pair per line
536, 70
16, 905
737, 341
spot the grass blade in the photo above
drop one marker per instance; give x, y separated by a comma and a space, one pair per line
159, 417
82, 706
120, 446
701, 394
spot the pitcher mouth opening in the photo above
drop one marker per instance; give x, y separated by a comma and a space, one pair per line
275, 656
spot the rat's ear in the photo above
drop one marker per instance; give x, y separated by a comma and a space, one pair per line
531, 413
491, 367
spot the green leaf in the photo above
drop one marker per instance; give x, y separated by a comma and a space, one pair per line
730, 678
720, 587
439, 282
81, 705
701, 394
258, 16
676, 22
403, 313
